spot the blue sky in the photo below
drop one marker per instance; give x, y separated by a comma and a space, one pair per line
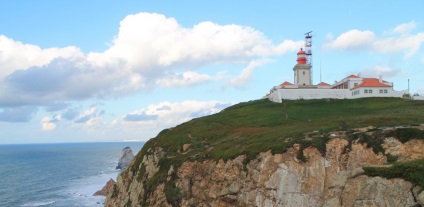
88, 71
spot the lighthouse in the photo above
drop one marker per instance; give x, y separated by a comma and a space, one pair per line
302, 70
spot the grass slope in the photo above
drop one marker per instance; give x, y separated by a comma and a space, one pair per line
257, 126
261, 125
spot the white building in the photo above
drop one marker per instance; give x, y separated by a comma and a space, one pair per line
348, 88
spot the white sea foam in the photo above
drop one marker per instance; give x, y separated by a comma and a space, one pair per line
38, 203
80, 192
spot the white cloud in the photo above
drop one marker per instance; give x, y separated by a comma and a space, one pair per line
47, 124
408, 44
185, 79
421, 92
88, 115
376, 71
245, 75
15, 55
350, 40
169, 114
405, 28
146, 41
149, 50
401, 41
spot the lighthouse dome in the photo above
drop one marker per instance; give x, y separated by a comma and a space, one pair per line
301, 57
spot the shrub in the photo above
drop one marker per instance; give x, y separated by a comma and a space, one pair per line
406, 134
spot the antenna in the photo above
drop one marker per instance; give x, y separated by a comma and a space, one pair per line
320, 76
308, 51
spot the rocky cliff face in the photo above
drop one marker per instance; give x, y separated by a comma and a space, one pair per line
106, 189
126, 157
333, 179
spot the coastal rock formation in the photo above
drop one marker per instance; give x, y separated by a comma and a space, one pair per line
335, 178
106, 189
408, 151
126, 157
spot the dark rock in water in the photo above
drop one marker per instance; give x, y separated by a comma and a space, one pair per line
106, 189
126, 157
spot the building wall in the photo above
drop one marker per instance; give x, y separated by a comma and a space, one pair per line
418, 98
294, 94
302, 74
303, 77
352, 82
385, 92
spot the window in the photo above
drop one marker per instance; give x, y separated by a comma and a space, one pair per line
381, 90
370, 91
385, 90
365, 91
303, 72
355, 84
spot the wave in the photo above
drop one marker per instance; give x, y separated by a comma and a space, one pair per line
35, 204
80, 192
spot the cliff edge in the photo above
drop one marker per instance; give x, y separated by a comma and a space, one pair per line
261, 154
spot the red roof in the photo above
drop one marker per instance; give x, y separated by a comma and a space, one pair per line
286, 84
352, 76
371, 82
301, 52
323, 84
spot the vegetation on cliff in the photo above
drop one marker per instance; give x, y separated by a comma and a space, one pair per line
412, 171
258, 126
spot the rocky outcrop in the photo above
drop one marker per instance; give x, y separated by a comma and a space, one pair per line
350, 188
271, 180
126, 157
106, 189
411, 150
129, 189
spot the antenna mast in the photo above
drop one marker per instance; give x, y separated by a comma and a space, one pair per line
308, 50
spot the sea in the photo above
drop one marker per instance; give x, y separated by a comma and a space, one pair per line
61, 175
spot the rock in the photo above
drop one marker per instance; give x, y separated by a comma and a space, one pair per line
126, 157
185, 147
333, 179
106, 189
410, 150
419, 196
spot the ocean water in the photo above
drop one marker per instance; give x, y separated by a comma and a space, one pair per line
57, 174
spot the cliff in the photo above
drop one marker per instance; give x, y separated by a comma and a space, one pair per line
346, 166
126, 158
106, 189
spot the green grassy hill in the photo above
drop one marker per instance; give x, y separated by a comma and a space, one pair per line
258, 126
261, 125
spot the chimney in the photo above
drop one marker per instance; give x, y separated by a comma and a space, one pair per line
380, 79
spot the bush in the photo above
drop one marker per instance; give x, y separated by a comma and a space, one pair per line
406, 134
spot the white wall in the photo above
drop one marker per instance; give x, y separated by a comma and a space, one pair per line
376, 92
418, 98
303, 79
352, 81
294, 94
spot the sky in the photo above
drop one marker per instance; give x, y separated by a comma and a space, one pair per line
103, 70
